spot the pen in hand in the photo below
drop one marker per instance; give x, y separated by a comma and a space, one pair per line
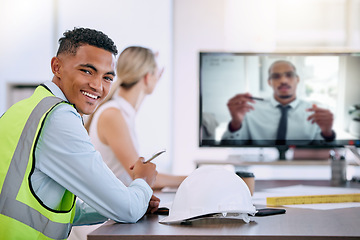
256, 98
154, 156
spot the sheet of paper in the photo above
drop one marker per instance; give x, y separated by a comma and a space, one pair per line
259, 198
169, 189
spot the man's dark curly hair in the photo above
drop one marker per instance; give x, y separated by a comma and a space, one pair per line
73, 39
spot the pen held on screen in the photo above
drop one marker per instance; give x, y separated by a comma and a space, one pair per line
256, 98
154, 156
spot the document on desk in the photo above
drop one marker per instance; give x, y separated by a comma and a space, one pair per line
169, 189
259, 198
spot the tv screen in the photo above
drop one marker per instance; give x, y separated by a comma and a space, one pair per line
241, 93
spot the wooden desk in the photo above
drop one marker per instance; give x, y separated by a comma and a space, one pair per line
294, 224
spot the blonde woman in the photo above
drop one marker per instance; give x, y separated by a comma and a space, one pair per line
112, 126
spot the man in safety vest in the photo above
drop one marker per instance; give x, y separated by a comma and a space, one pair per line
46, 157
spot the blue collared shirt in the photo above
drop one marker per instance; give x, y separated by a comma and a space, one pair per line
66, 159
260, 125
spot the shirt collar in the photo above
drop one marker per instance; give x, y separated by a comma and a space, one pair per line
293, 104
59, 93
55, 90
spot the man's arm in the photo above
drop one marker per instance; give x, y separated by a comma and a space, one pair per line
66, 156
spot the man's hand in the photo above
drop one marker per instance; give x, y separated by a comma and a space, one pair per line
238, 107
153, 204
322, 117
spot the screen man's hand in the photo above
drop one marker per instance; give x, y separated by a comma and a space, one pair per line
238, 107
323, 118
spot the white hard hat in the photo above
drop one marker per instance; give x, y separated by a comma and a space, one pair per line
211, 191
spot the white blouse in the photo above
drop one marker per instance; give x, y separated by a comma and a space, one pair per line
108, 155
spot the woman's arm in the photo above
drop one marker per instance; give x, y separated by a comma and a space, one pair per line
114, 132
167, 180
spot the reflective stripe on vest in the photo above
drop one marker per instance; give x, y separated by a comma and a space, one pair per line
9, 206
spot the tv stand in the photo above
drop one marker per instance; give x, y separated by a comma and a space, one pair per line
282, 152
259, 155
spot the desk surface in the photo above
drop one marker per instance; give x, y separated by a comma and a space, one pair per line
294, 224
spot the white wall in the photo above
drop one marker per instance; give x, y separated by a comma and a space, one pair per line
25, 44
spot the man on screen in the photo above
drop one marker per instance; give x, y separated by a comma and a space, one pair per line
282, 117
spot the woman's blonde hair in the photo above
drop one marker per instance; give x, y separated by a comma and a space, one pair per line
132, 65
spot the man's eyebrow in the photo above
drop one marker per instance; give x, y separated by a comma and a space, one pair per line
88, 65
111, 73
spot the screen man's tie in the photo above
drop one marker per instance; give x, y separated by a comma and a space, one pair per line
281, 133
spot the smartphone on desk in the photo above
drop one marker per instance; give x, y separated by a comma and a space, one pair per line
162, 211
269, 211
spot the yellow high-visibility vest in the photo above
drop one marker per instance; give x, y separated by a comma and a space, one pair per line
22, 214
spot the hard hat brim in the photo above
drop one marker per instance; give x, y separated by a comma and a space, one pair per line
230, 215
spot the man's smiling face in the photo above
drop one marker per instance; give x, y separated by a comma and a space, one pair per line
84, 78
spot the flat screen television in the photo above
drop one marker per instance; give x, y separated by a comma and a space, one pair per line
329, 80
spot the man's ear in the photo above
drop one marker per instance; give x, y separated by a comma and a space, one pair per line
269, 82
55, 66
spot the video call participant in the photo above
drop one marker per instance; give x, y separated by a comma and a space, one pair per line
283, 117
46, 157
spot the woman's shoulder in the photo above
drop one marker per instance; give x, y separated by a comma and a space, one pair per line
106, 106
110, 104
